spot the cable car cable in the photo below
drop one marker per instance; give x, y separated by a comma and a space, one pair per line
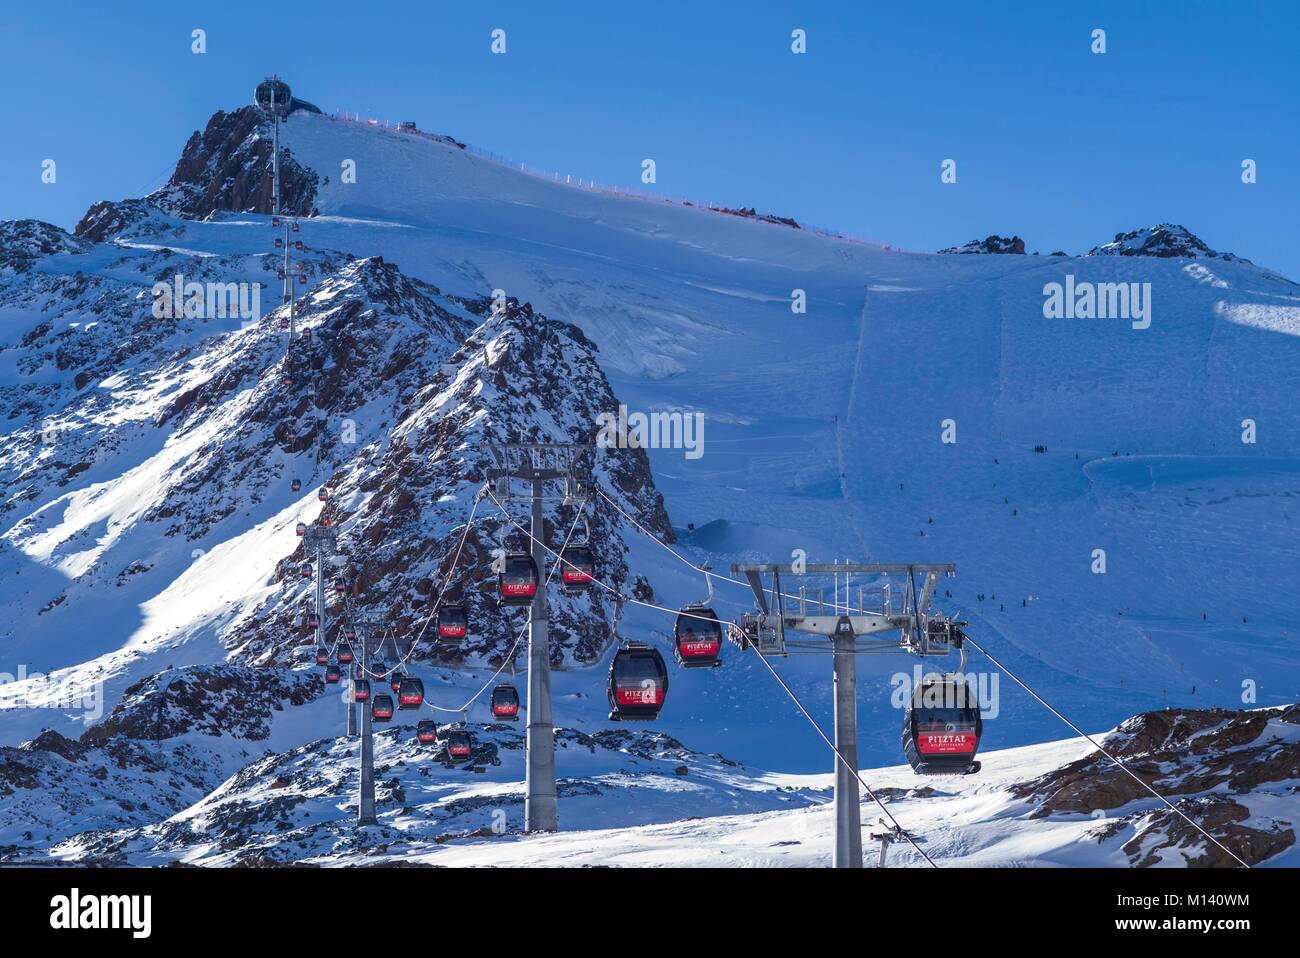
441, 592
1015, 678
717, 575
775, 673
604, 585
509, 656
843, 761
979, 648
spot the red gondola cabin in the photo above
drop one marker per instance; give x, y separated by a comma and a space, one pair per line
638, 683
576, 568
410, 693
697, 638
453, 623
942, 727
459, 744
505, 703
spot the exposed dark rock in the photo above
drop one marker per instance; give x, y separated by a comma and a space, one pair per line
106, 219
990, 244
51, 741
228, 166
1197, 758
1219, 815
214, 700
23, 242
1165, 240
749, 213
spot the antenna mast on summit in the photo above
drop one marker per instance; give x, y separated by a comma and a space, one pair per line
275, 96
275, 156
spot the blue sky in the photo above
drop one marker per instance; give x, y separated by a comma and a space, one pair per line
1053, 142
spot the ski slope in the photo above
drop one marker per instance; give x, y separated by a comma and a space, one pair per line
812, 421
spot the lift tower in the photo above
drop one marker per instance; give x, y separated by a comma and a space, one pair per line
322, 542
274, 96
843, 622
365, 627
538, 464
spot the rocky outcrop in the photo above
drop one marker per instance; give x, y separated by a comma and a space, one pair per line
749, 213
1166, 240
23, 242
212, 700
107, 219
1166, 836
228, 166
1211, 763
225, 167
172, 740
990, 245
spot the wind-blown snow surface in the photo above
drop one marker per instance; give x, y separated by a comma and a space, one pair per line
823, 433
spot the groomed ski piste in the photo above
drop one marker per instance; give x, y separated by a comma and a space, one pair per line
822, 435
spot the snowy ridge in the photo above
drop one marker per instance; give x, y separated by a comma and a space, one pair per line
398, 400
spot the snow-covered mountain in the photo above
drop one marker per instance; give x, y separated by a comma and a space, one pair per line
1002, 245
193, 767
391, 399
148, 521
1165, 240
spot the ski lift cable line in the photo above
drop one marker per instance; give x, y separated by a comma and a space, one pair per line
992, 659
604, 585
1043, 702
510, 656
775, 674
717, 575
843, 761
441, 592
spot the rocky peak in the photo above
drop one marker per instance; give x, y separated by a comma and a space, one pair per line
402, 498
51, 741
1165, 240
226, 166
990, 244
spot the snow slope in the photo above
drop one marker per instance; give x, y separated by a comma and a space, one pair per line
634, 797
823, 434
813, 421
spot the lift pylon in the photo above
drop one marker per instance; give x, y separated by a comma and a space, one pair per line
538, 464
844, 623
